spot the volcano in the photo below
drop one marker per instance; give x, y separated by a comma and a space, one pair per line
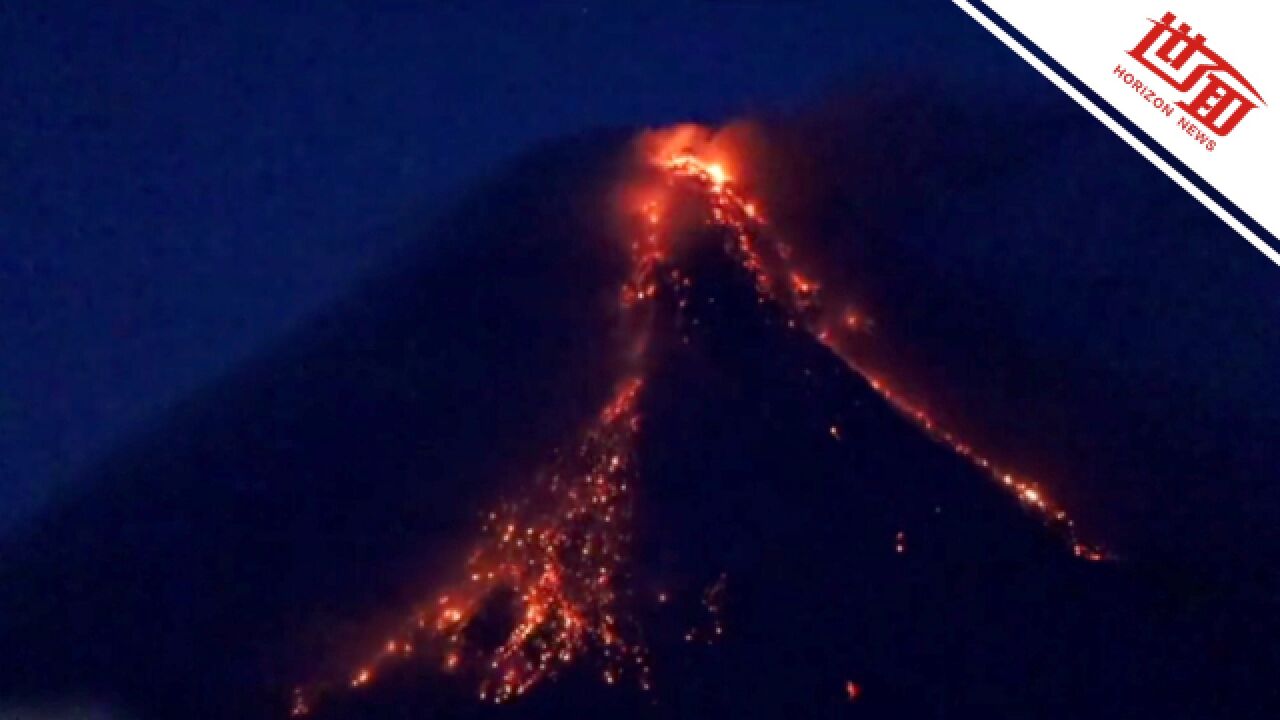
566, 464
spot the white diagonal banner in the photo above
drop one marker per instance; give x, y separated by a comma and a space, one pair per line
1199, 80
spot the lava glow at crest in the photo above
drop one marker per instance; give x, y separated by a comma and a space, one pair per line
555, 562
769, 261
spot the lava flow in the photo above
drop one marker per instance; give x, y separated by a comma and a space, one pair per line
555, 563
559, 554
777, 280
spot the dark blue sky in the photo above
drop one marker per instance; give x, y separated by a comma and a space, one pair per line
181, 183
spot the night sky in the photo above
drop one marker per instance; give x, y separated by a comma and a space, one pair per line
183, 186
181, 183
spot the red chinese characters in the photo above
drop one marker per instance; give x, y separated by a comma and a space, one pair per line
1219, 96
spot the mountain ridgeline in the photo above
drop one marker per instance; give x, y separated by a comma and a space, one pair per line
799, 547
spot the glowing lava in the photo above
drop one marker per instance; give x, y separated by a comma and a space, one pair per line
554, 563
562, 553
768, 260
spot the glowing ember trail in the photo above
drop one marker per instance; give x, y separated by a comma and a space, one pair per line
554, 562
562, 554
769, 262
551, 567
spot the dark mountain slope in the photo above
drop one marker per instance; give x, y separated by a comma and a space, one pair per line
201, 570
270, 528
985, 613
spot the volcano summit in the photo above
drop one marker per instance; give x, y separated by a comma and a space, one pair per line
710, 508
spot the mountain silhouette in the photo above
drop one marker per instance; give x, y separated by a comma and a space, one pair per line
197, 571
800, 547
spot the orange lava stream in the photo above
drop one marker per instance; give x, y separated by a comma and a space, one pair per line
552, 565
560, 554
769, 262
